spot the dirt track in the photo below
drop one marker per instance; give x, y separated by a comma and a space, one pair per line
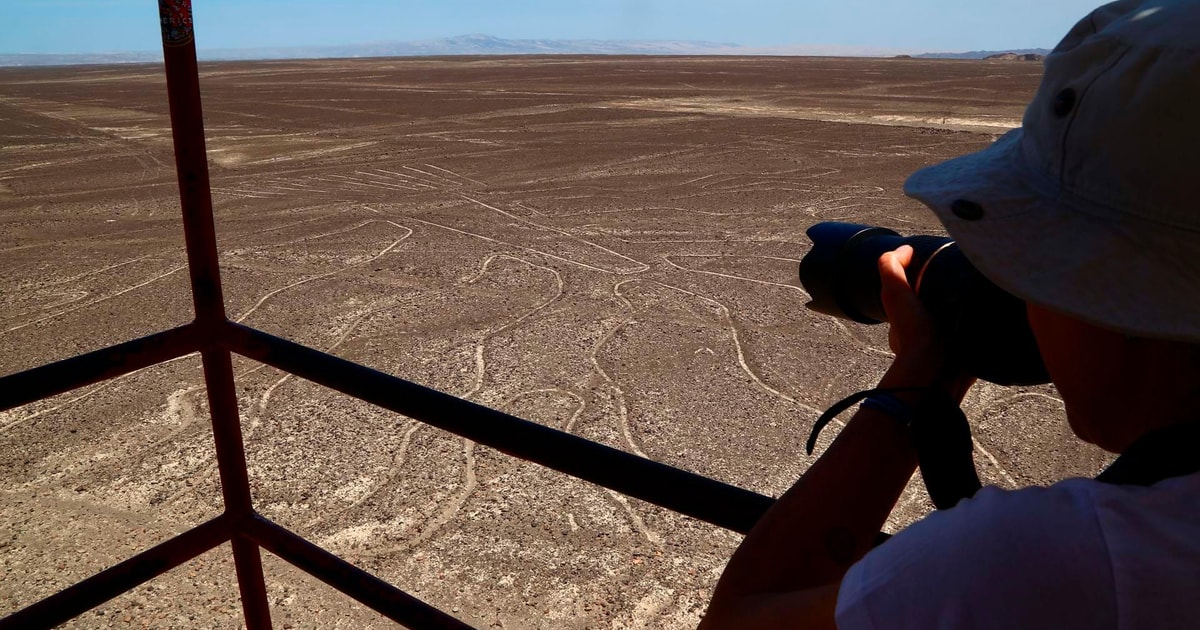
603, 245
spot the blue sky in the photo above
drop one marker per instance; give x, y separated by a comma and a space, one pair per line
88, 26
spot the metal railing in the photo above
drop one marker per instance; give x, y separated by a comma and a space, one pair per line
215, 337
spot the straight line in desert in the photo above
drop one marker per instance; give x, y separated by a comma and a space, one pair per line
643, 266
350, 181
415, 181
408, 183
433, 175
445, 170
667, 259
314, 237
500, 242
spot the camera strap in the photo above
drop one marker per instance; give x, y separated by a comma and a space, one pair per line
1161, 454
940, 434
941, 437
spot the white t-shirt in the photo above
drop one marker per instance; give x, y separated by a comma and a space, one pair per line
1079, 554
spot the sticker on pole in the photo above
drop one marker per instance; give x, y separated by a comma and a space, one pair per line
176, 18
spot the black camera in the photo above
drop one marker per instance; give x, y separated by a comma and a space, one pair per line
986, 330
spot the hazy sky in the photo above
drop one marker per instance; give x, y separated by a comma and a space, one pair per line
84, 26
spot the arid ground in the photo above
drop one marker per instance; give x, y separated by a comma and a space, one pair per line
604, 245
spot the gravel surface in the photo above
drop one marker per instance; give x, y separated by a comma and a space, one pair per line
603, 245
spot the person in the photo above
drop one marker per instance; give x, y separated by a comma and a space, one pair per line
1090, 214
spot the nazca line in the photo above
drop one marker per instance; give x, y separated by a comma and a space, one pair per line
507, 244
569, 235
187, 391
96, 301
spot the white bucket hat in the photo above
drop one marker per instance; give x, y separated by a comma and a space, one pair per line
1092, 208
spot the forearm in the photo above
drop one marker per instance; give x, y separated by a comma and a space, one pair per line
787, 570
818, 528
827, 520
831, 516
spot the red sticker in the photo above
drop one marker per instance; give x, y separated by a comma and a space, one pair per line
176, 17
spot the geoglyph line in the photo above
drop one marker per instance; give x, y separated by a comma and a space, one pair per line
448, 512
96, 301
427, 174
667, 259
835, 320
387, 249
416, 181
641, 265
445, 170
728, 319
260, 302
570, 424
505, 243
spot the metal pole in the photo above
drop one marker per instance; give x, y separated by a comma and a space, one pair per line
685, 492
382, 597
191, 163
114, 581
63, 376
235, 484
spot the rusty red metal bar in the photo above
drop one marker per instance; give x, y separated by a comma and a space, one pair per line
191, 160
200, 236
215, 337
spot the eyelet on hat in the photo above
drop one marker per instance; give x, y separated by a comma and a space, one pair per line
966, 210
1064, 102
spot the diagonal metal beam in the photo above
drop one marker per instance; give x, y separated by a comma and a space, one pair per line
63, 376
697, 496
105, 585
382, 597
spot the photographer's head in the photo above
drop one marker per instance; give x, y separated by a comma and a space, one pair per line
1090, 213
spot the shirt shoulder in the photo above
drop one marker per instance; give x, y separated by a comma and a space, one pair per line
1030, 558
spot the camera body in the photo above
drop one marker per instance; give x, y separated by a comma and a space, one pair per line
985, 328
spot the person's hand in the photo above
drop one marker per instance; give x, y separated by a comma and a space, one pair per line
920, 353
910, 328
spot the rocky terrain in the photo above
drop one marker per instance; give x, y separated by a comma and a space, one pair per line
604, 245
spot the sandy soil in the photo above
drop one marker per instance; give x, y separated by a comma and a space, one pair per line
604, 245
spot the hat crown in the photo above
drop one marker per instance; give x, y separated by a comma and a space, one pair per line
1116, 121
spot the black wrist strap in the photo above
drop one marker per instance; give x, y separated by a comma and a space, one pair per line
842, 405
940, 435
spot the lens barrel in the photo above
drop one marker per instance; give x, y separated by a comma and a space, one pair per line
985, 328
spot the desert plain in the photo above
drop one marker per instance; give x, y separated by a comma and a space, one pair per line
605, 245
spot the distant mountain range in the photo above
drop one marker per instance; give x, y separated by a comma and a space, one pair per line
984, 54
482, 45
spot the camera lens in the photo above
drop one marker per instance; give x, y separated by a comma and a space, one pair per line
984, 327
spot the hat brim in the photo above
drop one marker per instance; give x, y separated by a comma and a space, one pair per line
1071, 255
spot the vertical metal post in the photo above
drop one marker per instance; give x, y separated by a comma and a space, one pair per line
191, 163
235, 484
